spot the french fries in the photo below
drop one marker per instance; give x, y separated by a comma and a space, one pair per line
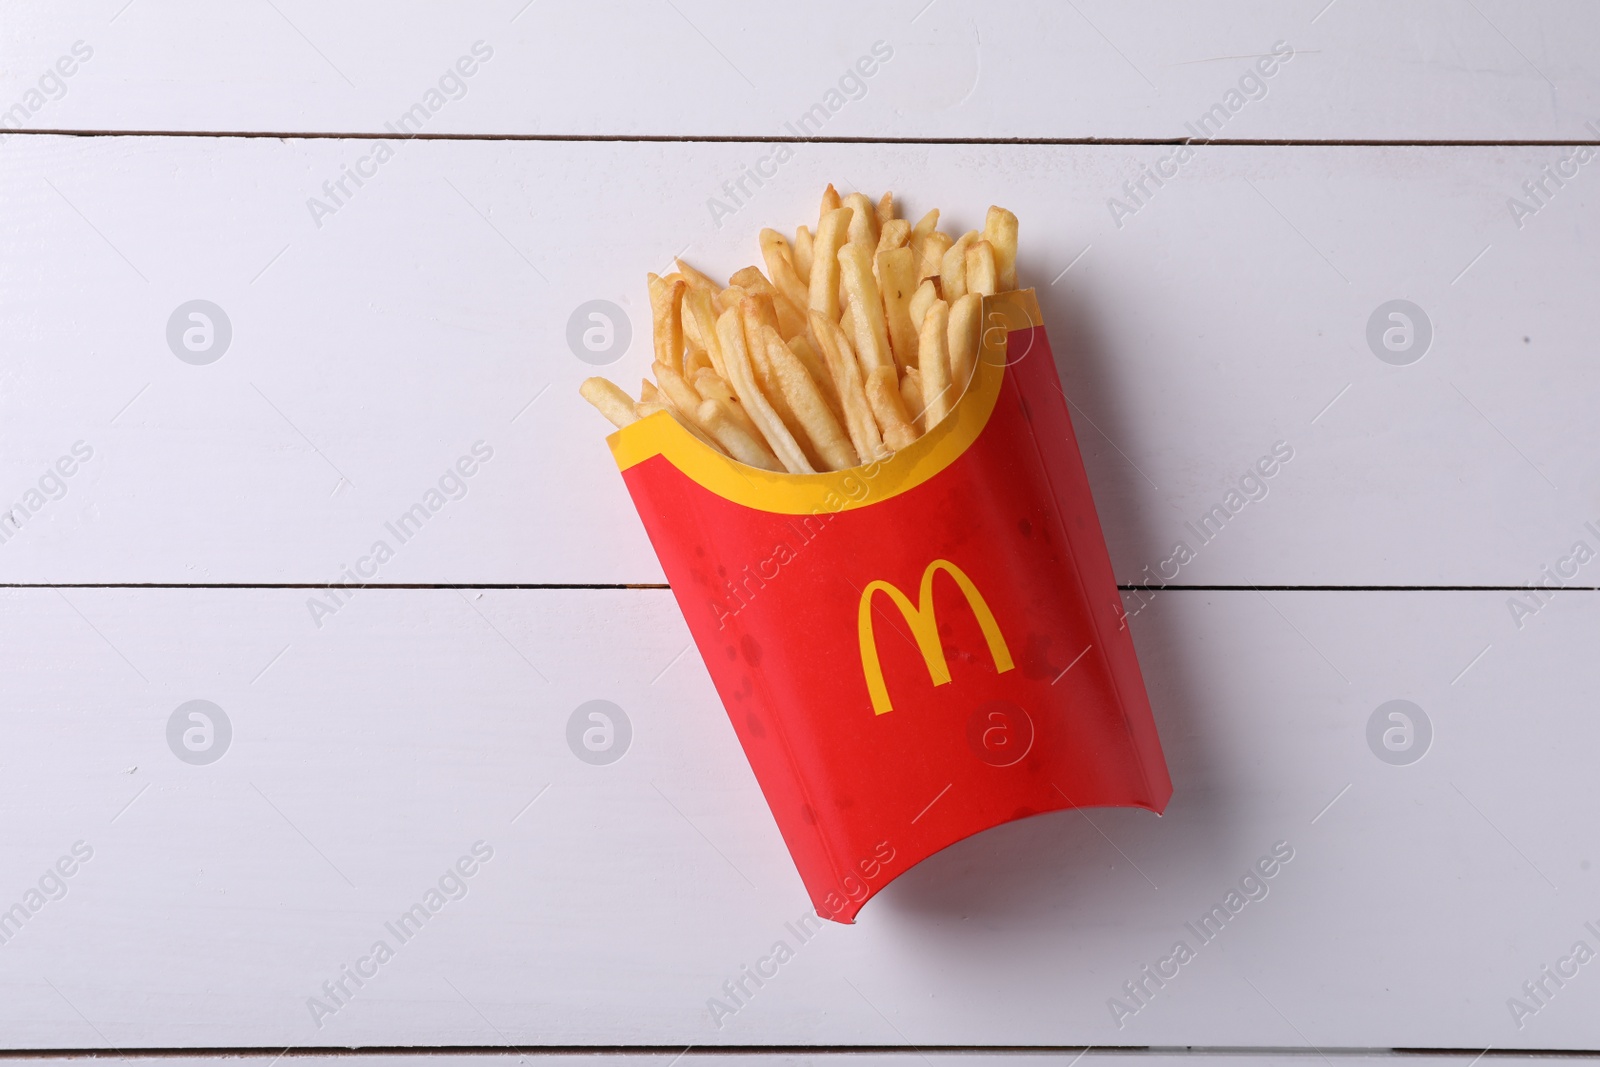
856, 338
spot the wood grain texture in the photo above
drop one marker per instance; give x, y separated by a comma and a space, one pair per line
1491, 69
370, 755
1225, 315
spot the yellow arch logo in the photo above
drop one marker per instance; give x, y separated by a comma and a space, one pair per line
925, 628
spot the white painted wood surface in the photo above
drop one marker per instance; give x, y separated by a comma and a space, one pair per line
370, 755
430, 312
1460, 69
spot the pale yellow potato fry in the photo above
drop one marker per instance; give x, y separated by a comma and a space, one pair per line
648, 390
953, 268
823, 290
645, 408
801, 347
695, 358
755, 311
966, 321
980, 269
885, 208
922, 300
930, 252
806, 402
926, 225
830, 202
846, 373
698, 304
666, 302
863, 220
712, 386
766, 376
741, 375
743, 443
695, 278
802, 255
790, 319
1000, 230
676, 391
781, 268
894, 269
911, 396
609, 399
708, 383
883, 394
866, 305
691, 328
896, 233
934, 344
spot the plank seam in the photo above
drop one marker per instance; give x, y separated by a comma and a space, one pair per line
1221, 142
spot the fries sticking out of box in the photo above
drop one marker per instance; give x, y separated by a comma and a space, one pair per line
850, 345
857, 468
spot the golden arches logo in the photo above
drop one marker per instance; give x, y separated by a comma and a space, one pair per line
925, 629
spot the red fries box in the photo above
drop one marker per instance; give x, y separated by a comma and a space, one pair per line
917, 649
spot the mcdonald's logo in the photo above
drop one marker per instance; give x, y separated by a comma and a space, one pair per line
925, 628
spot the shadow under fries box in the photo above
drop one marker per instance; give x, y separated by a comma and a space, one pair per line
918, 649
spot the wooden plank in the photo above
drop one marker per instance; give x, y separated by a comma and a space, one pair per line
1361, 69
369, 756
1228, 313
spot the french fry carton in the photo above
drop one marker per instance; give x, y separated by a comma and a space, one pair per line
917, 649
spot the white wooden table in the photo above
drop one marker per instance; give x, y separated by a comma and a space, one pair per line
370, 346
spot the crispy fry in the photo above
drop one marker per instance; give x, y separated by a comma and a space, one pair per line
802, 255
922, 300
846, 373
930, 251
695, 279
694, 359
666, 302
781, 268
744, 444
911, 396
895, 282
866, 305
883, 394
804, 399
896, 233
675, 391
885, 208
648, 390
965, 322
1000, 230
697, 305
847, 319
814, 366
645, 408
863, 220
609, 399
832, 233
934, 344
980, 268
830, 202
712, 386
766, 377
926, 225
741, 375
953, 268
790, 320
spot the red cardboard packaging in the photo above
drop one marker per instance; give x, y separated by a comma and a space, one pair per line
917, 649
